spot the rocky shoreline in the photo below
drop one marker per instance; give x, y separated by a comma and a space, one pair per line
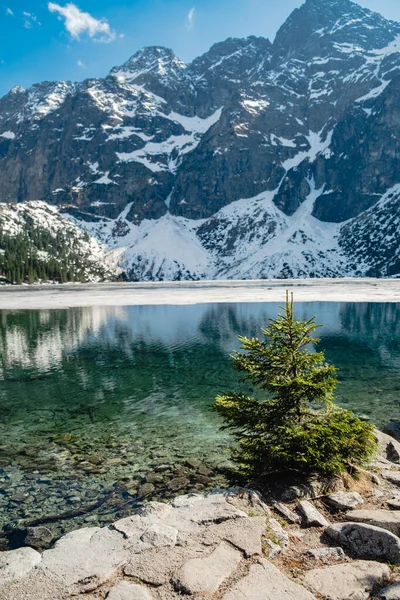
230, 545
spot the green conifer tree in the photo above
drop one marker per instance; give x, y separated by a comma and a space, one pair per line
293, 424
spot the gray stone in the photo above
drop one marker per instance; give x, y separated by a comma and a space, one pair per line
38, 537
248, 501
273, 549
266, 582
160, 510
394, 503
344, 500
386, 519
366, 541
160, 535
355, 580
280, 536
205, 575
391, 592
393, 429
392, 476
287, 512
388, 447
86, 558
15, 564
129, 591
245, 534
178, 483
331, 553
203, 510
311, 516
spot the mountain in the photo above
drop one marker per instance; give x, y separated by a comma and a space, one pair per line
257, 159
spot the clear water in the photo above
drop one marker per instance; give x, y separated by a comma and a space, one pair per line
94, 396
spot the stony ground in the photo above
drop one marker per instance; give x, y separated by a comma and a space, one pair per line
230, 545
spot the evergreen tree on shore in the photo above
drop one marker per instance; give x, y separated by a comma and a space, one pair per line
296, 426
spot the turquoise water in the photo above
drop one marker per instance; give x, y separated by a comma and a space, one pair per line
94, 396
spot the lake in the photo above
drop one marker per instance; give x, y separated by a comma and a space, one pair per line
94, 396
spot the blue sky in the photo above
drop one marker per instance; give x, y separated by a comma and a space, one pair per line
74, 40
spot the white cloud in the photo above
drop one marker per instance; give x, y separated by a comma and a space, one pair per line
30, 20
9, 12
78, 22
81, 64
190, 18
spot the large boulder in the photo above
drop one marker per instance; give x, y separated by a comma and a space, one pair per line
386, 519
366, 541
393, 429
355, 580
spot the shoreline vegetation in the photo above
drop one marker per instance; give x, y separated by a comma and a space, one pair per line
197, 292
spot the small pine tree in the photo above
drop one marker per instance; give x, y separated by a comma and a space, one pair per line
297, 427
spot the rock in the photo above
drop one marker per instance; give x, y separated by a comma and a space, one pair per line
193, 463
394, 503
203, 510
393, 429
266, 582
355, 580
178, 483
366, 541
392, 476
160, 510
38, 537
311, 516
386, 519
280, 536
274, 549
37, 585
15, 564
129, 591
388, 447
86, 558
331, 553
160, 535
205, 575
245, 534
287, 512
157, 565
392, 592
146, 489
154, 478
248, 501
344, 500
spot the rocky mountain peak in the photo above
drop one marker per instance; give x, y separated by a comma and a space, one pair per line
150, 61
320, 23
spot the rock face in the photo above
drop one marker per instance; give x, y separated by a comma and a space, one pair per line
341, 582
366, 541
258, 159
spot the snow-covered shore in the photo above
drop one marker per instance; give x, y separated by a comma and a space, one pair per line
129, 294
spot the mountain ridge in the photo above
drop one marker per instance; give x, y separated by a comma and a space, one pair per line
299, 135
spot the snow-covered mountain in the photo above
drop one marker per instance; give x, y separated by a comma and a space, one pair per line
258, 159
